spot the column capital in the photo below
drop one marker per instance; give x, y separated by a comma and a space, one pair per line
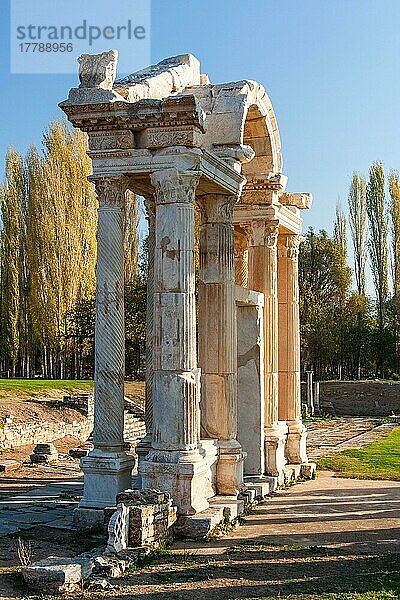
289, 244
262, 232
111, 191
217, 208
173, 186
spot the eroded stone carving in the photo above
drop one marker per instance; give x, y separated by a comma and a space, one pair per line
98, 70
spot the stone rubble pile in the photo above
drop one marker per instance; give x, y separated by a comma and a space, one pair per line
44, 453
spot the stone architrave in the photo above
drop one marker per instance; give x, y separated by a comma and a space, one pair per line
289, 347
174, 462
107, 468
263, 236
218, 338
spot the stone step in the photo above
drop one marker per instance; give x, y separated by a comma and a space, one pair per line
263, 486
231, 507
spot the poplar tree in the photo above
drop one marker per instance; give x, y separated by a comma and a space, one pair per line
379, 254
394, 189
358, 226
12, 215
378, 238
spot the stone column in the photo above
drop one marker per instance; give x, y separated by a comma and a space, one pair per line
107, 468
241, 259
289, 347
218, 338
144, 445
263, 235
174, 463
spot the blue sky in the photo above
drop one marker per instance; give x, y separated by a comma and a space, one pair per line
331, 68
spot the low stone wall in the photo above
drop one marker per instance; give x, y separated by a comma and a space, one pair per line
13, 435
134, 427
360, 398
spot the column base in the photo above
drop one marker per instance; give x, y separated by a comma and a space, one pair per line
183, 474
275, 442
296, 445
105, 475
230, 468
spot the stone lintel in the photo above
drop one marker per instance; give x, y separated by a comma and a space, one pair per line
246, 297
244, 214
289, 220
303, 201
216, 175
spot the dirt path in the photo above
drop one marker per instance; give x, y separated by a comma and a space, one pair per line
327, 536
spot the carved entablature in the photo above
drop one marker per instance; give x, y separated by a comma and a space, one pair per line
302, 201
111, 191
177, 121
260, 189
107, 140
261, 232
171, 185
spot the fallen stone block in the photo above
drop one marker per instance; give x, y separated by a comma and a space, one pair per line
9, 465
58, 575
78, 452
109, 566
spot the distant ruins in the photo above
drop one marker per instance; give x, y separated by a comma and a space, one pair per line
223, 406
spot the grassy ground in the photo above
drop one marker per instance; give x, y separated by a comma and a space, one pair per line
24, 389
378, 460
31, 388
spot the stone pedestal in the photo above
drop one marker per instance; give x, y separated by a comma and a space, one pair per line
263, 235
174, 462
289, 347
218, 339
107, 468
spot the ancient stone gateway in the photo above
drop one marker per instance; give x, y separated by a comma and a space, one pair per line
222, 404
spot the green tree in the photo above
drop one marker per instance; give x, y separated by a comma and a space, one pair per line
379, 254
358, 225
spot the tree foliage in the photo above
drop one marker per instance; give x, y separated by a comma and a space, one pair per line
48, 257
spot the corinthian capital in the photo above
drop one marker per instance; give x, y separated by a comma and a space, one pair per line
217, 208
111, 191
289, 245
171, 185
261, 232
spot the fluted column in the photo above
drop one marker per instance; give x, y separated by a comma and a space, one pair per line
174, 462
218, 338
241, 259
263, 235
289, 346
107, 468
